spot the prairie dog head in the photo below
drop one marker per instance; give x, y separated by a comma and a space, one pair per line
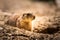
28, 16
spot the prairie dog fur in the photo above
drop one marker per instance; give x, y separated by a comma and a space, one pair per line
26, 21
22, 22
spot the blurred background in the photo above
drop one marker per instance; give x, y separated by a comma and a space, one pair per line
23, 5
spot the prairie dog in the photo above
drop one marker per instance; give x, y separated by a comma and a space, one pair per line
22, 22
25, 21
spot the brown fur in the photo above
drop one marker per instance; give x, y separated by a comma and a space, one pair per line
12, 20
24, 22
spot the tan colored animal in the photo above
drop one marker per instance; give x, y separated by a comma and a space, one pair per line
26, 21
22, 22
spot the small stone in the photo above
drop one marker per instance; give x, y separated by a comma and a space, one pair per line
1, 28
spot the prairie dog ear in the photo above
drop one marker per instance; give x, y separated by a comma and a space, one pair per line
24, 14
